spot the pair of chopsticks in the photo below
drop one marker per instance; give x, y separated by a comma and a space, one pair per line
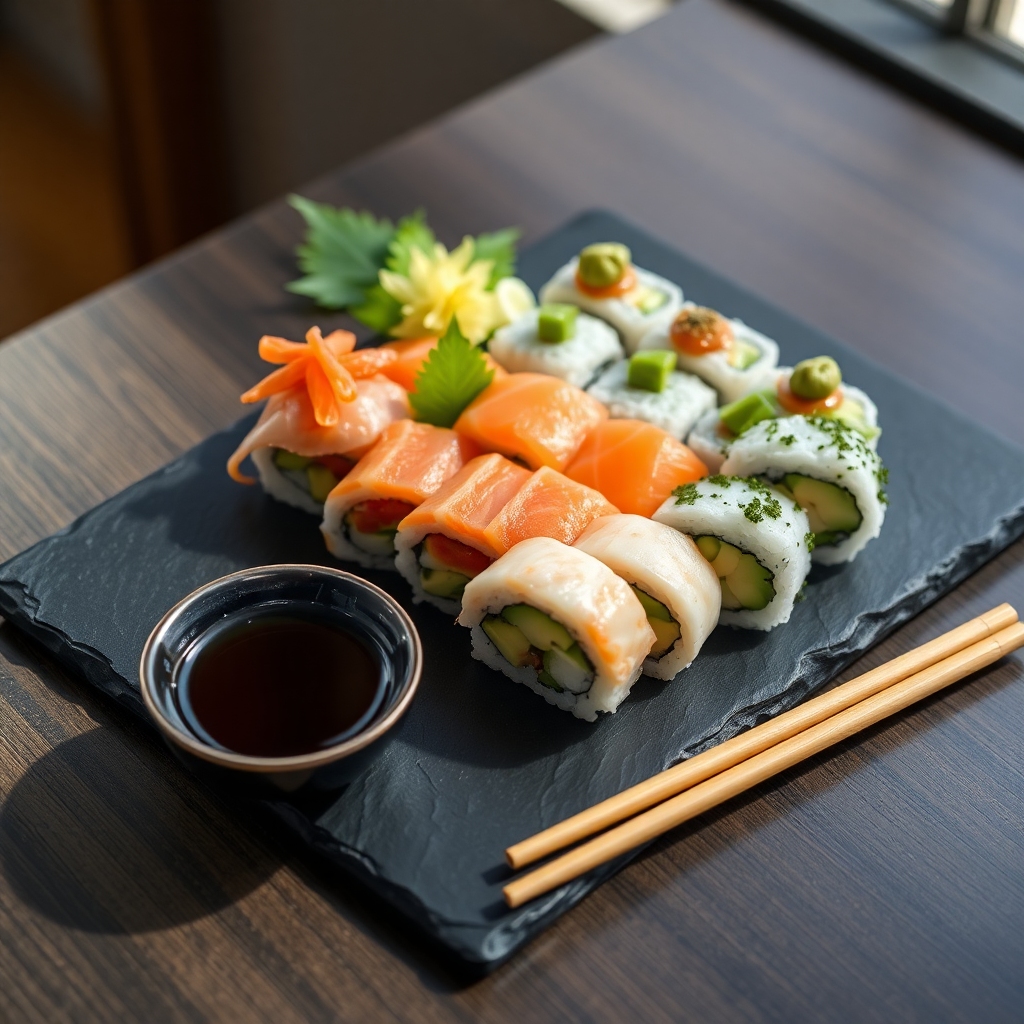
686, 790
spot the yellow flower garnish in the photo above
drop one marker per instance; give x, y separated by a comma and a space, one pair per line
443, 284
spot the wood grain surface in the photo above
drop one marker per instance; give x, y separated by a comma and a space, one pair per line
881, 882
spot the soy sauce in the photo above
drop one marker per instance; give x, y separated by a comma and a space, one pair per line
278, 683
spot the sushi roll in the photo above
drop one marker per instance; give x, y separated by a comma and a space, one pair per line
675, 584
812, 387
635, 465
547, 505
727, 354
828, 469
603, 281
327, 405
646, 387
756, 541
441, 545
407, 465
560, 622
557, 340
536, 419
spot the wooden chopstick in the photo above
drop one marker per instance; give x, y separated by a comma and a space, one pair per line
762, 766
703, 766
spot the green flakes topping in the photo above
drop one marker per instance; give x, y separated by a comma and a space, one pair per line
649, 371
787, 440
756, 509
686, 494
556, 322
721, 481
809, 541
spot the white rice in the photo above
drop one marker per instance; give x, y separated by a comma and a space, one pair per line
826, 450
685, 399
278, 484
598, 609
517, 348
408, 565
706, 443
723, 507
620, 313
667, 565
730, 382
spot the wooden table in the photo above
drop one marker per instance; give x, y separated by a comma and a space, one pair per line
881, 882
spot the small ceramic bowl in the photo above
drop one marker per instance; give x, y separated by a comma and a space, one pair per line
359, 607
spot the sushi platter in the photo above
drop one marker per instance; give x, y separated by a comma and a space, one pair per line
648, 513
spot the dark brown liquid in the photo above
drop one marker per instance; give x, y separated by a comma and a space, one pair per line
277, 685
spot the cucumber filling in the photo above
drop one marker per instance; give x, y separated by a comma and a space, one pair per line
647, 300
526, 636
746, 583
831, 510
371, 525
666, 629
447, 565
743, 355
310, 474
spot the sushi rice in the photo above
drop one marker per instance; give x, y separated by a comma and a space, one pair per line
583, 596
594, 344
285, 485
675, 409
754, 520
631, 323
796, 449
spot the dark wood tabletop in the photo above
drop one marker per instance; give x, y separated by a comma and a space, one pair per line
883, 881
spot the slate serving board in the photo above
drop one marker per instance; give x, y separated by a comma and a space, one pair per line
479, 762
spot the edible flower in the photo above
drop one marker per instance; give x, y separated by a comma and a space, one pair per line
442, 285
328, 367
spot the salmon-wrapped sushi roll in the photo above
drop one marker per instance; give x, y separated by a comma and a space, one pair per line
537, 419
407, 465
547, 505
442, 544
634, 464
318, 421
560, 622
678, 589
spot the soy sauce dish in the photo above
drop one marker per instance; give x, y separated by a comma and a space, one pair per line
281, 677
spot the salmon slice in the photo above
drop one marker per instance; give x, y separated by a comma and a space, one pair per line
533, 417
412, 354
547, 505
463, 507
634, 464
288, 422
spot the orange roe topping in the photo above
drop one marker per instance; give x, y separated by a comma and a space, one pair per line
806, 406
623, 286
698, 330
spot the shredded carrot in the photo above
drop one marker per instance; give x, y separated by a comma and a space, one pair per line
281, 350
338, 378
280, 380
321, 394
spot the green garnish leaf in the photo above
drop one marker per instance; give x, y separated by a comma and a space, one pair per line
341, 255
455, 372
412, 233
499, 246
380, 311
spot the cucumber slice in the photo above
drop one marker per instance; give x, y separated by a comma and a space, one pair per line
443, 583
667, 634
509, 640
743, 355
751, 583
709, 547
726, 560
547, 680
649, 300
321, 482
829, 507
730, 602
541, 630
285, 459
570, 669
380, 543
653, 608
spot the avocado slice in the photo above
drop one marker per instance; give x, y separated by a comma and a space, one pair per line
285, 459
541, 630
726, 560
546, 679
443, 583
653, 608
709, 547
321, 482
667, 634
730, 602
751, 583
509, 640
649, 300
570, 669
743, 355
829, 507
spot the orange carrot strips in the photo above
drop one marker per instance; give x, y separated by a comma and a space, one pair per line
281, 350
339, 379
280, 380
321, 394
368, 361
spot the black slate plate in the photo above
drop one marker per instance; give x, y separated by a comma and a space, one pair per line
480, 762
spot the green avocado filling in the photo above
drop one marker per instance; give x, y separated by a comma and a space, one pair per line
526, 636
741, 415
746, 583
831, 510
646, 299
306, 473
666, 629
743, 355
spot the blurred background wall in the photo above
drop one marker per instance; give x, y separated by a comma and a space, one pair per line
129, 127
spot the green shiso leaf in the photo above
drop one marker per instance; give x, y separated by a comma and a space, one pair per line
341, 255
380, 312
412, 233
499, 246
454, 374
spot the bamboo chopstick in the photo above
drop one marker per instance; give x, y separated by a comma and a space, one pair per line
762, 766
703, 766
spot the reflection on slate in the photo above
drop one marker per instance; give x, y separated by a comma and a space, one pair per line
479, 762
